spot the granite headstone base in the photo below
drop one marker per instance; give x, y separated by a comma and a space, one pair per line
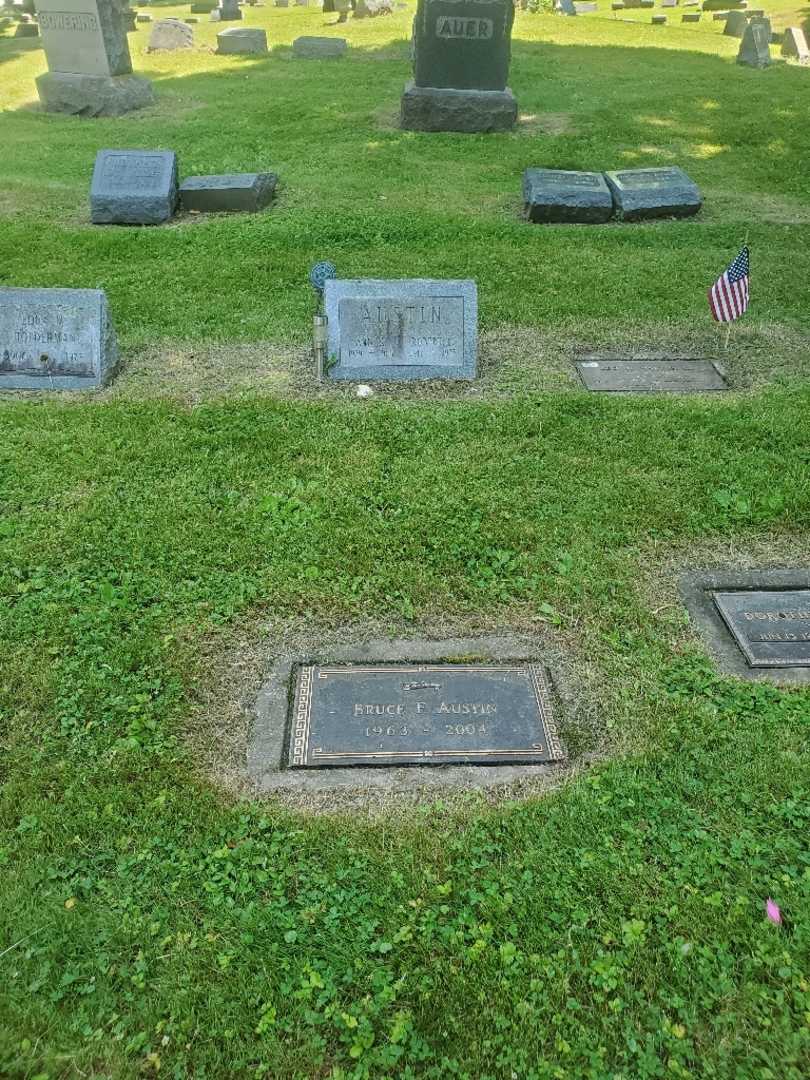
237, 191
427, 108
93, 95
561, 195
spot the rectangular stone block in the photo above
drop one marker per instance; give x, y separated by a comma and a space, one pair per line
771, 628
319, 48
245, 40
690, 17
561, 195
425, 108
401, 330
234, 191
133, 187
84, 37
667, 191
422, 714
650, 376
55, 339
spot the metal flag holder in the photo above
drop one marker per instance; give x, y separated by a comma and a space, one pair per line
320, 273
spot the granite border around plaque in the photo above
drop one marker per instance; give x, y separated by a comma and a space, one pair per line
697, 589
267, 755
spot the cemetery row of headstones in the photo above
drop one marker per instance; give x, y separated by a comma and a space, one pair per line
591, 198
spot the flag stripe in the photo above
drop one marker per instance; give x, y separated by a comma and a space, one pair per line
729, 296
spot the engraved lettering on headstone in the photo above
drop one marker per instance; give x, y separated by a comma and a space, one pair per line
423, 331
470, 28
772, 628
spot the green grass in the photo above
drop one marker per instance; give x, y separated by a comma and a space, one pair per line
611, 929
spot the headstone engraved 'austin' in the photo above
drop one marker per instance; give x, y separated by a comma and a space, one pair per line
422, 714
401, 330
89, 66
461, 65
772, 628
55, 339
133, 187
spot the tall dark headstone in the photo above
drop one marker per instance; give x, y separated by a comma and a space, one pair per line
755, 47
461, 67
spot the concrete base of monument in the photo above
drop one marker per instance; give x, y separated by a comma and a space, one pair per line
93, 95
427, 108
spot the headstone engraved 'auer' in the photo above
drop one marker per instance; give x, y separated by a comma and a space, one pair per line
55, 339
398, 330
422, 714
772, 629
89, 65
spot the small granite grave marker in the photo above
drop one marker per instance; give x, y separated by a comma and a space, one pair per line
586, 7
89, 66
461, 65
241, 39
170, 34
319, 48
26, 28
659, 20
237, 191
422, 714
55, 339
755, 47
401, 330
650, 376
133, 187
794, 45
229, 11
558, 195
690, 16
141, 18
669, 3
772, 629
639, 194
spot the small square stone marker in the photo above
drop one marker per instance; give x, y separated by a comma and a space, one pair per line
55, 339
234, 191
241, 39
422, 714
650, 376
639, 194
401, 329
133, 187
772, 628
319, 48
560, 195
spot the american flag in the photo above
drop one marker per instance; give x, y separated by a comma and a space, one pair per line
728, 297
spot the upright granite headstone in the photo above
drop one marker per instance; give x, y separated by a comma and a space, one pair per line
639, 194
755, 47
565, 7
461, 66
794, 45
89, 66
229, 11
736, 24
319, 48
133, 187
55, 339
170, 34
241, 39
401, 330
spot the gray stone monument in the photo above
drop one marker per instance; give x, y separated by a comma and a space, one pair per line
89, 66
565, 7
133, 187
170, 34
794, 45
401, 330
755, 47
561, 195
461, 66
241, 39
736, 24
55, 339
229, 11
639, 194
236, 191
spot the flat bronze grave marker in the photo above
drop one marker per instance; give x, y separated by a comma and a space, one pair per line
771, 628
422, 714
649, 376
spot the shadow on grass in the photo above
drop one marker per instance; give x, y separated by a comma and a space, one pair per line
11, 47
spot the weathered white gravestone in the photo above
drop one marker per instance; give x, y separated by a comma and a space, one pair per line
89, 66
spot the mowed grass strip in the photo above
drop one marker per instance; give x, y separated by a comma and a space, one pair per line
612, 929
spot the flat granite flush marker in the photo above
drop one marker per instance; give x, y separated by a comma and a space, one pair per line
772, 629
650, 376
422, 714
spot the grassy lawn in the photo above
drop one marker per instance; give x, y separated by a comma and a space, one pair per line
151, 922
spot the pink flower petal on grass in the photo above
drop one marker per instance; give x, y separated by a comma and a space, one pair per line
773, 912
